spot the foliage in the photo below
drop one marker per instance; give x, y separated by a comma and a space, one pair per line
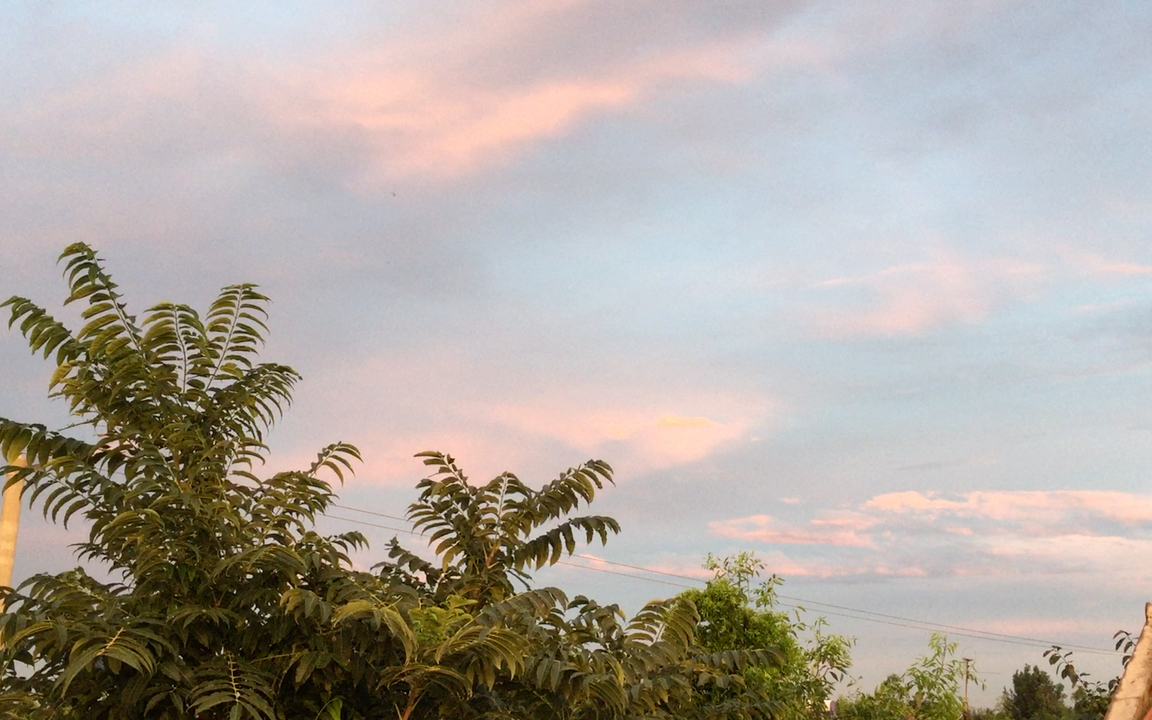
929, 690
735, 615
1090, 698
1090, 703
224, 602
483, 533
208, 561
936, 681
889, 701
992, 713
1034, 696
582, 659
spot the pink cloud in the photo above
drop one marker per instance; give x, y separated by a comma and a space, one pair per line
1094, 263
1049, 627
1019, 505
914, 534
785, 566
843, 530
433, 96
533, 431
900, 571
444, 131
774, 562
436, 117
918, 297
1102, 307
641, 435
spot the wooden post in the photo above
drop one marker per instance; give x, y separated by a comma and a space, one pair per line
967, 669
9, 526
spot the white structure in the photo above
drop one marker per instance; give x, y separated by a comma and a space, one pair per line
9, 527
1133, 698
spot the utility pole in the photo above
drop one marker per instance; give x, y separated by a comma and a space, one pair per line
9, 526
967, 665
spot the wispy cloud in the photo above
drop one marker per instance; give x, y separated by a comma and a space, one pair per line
1088, 262
843, 529
979, 533
918, 297
642, 437
443, 99
1047, 507
509, 437
534, 428
428, 123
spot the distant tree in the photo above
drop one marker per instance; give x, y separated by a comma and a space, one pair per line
1090, 703
929, 690
889, 701
936, 681
736, 615
1034, 696
993, 713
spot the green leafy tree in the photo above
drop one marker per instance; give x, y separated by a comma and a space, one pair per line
1034, 696
1090, 698
929, 690
584, 660
736, 615
1090, 702
891, 700
992, 713
483, 534
226, 603
935, 681
207, 558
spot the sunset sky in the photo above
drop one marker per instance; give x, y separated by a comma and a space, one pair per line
861, 287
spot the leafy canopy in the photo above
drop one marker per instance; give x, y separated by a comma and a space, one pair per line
929, 690
1034, 696
224, 602
735, 614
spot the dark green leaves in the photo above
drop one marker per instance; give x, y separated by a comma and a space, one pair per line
206, 553
226, 603
492, 534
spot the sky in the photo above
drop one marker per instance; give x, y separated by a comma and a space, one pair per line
863, 288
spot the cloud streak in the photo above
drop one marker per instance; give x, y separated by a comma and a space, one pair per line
985, 533
450, 98
916, 298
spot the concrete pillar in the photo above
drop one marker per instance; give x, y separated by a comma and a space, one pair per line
9, 526
1133, 697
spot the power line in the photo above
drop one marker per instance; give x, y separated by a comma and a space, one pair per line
371, 524
921, 624
370, 512
959, 629
616, 572
863, 615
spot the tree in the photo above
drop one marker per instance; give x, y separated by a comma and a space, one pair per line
1090, 698
226, 603
208, 612
1034, 696
584, 660
736, 615
928, 690
889, 701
